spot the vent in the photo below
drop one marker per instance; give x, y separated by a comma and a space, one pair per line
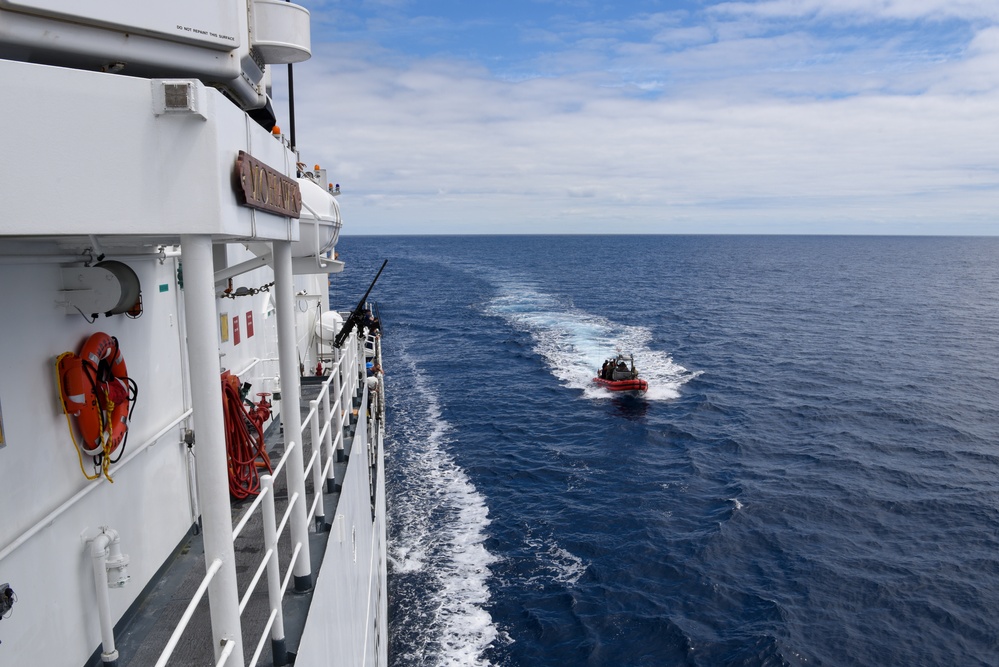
178, 97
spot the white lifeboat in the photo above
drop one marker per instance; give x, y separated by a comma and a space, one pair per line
318, 224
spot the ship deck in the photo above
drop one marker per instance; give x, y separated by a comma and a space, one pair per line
147, 627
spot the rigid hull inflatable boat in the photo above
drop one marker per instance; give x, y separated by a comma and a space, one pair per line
620, 375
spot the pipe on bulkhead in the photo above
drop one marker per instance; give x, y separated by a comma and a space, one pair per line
109, 565
97, 247
87, 257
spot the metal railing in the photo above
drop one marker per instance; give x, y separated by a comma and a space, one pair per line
335, 404
50, 518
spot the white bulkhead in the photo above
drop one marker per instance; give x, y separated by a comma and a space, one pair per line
209, 41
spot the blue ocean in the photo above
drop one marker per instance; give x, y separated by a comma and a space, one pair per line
811, 479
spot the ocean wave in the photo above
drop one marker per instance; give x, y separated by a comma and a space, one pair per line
551, 563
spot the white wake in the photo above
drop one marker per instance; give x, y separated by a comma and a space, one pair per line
441, 520
575, 343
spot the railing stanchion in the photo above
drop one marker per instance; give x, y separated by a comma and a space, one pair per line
353, 370
361, 363
274, 592
328, 438
337, 389
317, 468
338, 403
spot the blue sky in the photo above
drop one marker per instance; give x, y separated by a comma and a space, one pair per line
677, 116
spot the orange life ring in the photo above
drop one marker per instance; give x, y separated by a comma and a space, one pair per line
96, 390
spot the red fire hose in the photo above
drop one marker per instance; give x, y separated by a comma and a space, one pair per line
245, 449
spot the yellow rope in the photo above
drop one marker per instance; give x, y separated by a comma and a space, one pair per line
106, 460
106, 438
69, 424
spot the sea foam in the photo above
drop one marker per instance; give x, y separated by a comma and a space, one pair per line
437, 546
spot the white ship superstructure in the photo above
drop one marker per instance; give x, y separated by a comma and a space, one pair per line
147, 195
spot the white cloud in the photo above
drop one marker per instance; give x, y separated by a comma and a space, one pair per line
777, 134
583, 191
873, 9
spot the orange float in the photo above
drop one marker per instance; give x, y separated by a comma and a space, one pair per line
95, 389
